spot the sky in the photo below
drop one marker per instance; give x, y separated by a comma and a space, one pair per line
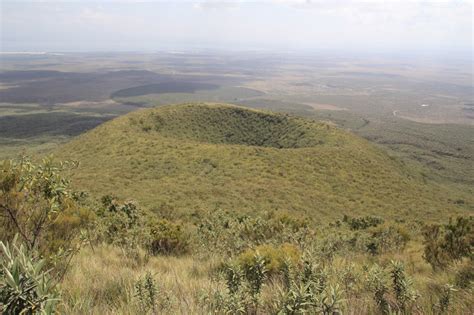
283, 25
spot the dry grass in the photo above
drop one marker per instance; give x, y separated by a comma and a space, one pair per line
101, 281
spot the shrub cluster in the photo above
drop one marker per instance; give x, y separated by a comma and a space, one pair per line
444, 244
127, 225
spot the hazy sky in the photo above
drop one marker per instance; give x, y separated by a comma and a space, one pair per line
344, 25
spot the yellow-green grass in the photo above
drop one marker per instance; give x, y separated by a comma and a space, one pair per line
204, 156
102, 281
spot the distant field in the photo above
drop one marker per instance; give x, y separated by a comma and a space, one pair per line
165, 87
419, 110
220, 94
33, 129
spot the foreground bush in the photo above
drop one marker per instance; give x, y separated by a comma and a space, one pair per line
25, 287
37, 204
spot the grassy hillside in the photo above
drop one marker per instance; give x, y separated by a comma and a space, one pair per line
196, 157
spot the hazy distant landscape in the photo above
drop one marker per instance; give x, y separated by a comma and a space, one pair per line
398, 103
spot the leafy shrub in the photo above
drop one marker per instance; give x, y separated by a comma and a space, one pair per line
167, 238
402, 288
275, 257
149, 297
255, 275
243, 288
127, 225
400, 297
234, 277
37, 204
387, 237
362, 223
465, 276
448, 243
459, 238
219, 302
377, 283
123, 224
25, 287
308, 292
433, 251
444, 300
228, 233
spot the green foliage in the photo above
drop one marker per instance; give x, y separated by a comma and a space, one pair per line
229, 233
377, 283
37, 203
221, 303
306, 290
234, 277
25, 286
122, 223
445, 299
297, 299
448, 243
125, 224
275, 258
433, 247
150, 299
402, 287
464, 277
400, 298
459, 238
255, 274
387, 237
167, 238
362, 223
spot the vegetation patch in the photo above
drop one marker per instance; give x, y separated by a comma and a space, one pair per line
233, 125
195, 157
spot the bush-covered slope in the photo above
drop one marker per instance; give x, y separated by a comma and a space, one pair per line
204, 156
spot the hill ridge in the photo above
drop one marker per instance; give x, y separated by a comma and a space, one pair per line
169, 157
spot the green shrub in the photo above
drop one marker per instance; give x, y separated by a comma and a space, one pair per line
451, 242
298, 299
25, 287
122, 224
362, 223
459, 238
402, 288
149, 297
387, 237
433, 251
228, 233
377, 283
234, 277
465, 276
167, 238
37, 204
255, 274
275, 257
445, 299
